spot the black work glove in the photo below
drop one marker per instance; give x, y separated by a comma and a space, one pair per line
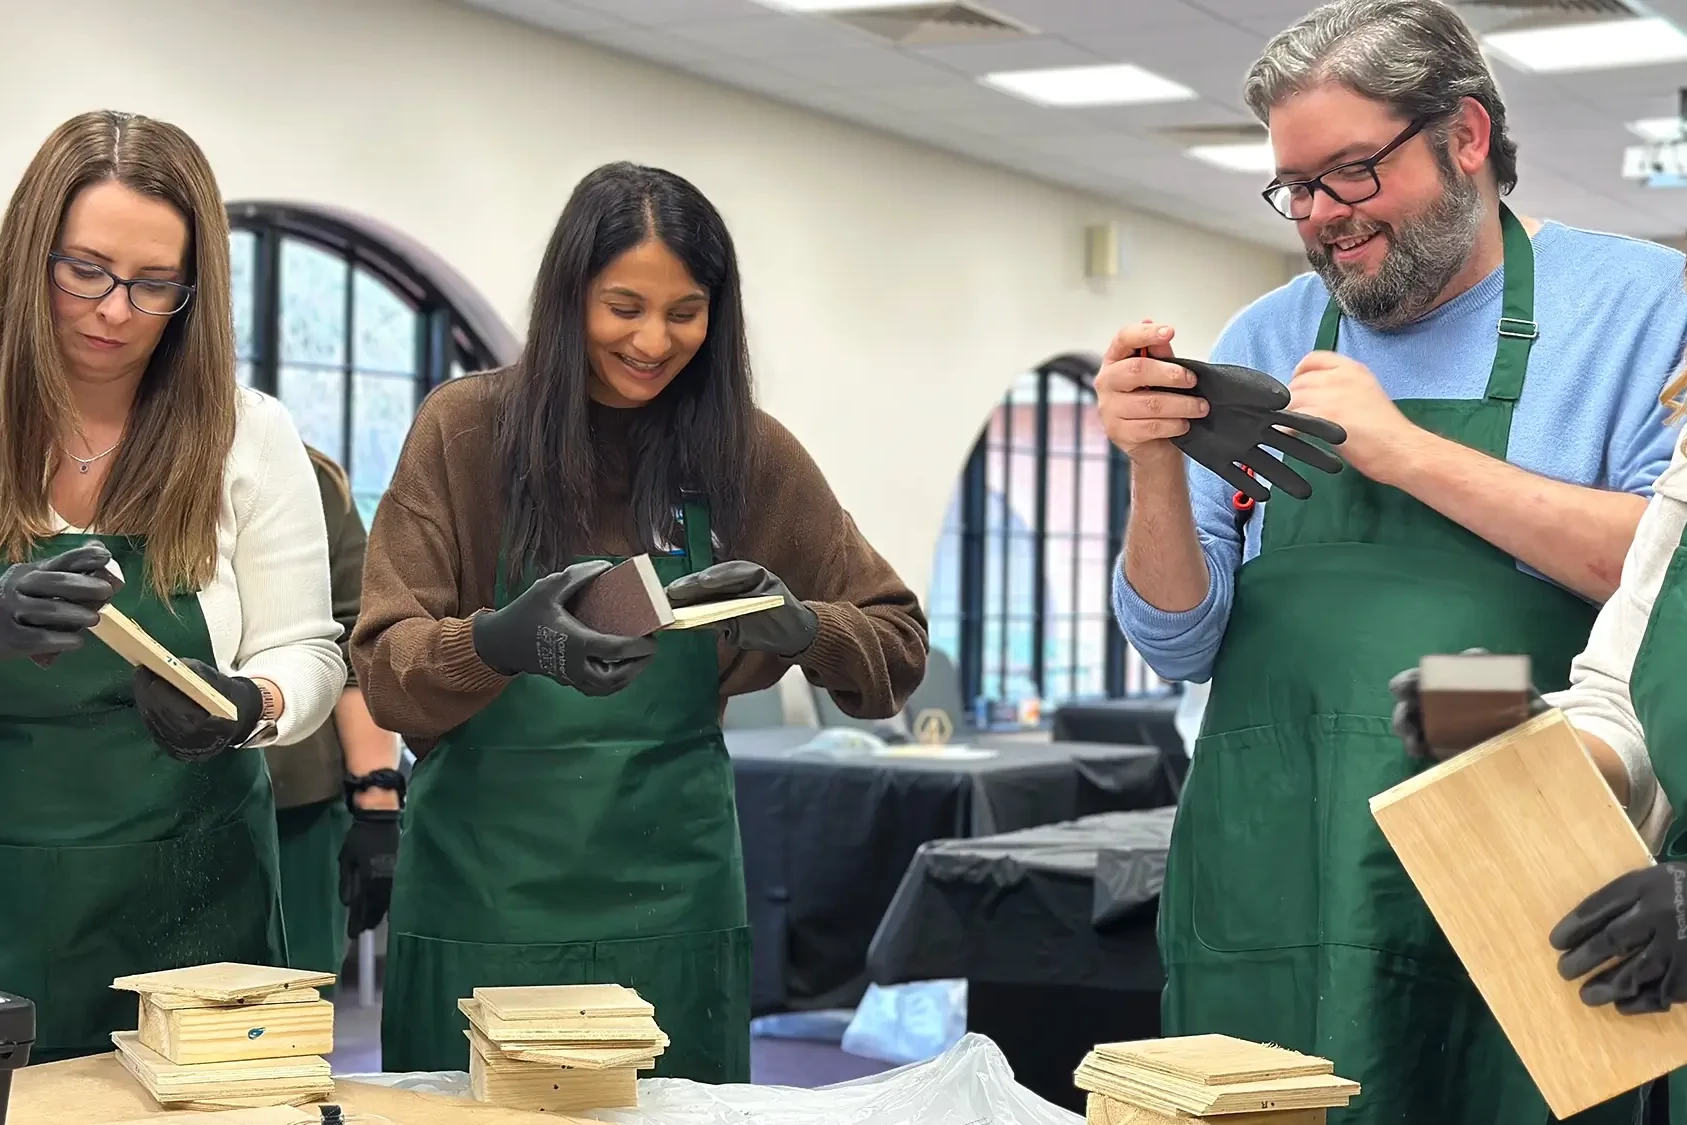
1245, 409
1639, 920
536, 635
47, 607
368, 858
784, 631
184, 729
1407, 720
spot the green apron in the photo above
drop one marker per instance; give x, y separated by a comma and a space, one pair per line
115, 858
556, 838
310, 837
1655, 687
1285, 916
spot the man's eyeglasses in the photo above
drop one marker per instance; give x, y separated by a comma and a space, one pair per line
92, 283
1350, 183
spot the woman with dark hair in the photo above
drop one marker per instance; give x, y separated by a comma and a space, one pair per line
572, 816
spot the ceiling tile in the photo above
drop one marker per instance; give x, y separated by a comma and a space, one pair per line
864, 66
1018, 54
652, 12
556, 15
1018, 120
768, 35
950, 95
1068, 17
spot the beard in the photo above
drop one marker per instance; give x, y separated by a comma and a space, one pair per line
1424, 254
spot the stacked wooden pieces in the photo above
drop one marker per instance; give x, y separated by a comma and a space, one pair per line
1166, 1081
229, 1036
560, 1048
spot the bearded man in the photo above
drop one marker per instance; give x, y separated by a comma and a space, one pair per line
1498, 378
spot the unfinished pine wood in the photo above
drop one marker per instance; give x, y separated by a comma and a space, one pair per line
270, 1115
1502, 842
548, 1089
1168, 1094
273, 1082
619, 1031
1105, 1111
128, 640
97, 1090
578, 1058
563, 1002
239, 1032
291, 996
1211, 1059
222, 982
709, 613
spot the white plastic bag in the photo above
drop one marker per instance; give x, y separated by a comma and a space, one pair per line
908, 1023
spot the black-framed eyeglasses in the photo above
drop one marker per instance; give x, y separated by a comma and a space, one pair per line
1347, 184
92, 282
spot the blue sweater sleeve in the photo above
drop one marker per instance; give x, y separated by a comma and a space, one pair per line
1183, 646
1642, 440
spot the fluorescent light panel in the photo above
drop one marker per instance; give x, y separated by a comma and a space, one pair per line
1659, 129
1591, 46
1108, 84
1254, 158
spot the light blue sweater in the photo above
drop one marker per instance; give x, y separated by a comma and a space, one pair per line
1613, 326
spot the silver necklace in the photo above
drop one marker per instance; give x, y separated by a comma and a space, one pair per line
86, 461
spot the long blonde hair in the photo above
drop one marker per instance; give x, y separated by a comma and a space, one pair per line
166, 482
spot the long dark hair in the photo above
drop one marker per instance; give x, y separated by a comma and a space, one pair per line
695, 437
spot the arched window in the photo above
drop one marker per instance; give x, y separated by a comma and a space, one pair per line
1020, 595
350, 324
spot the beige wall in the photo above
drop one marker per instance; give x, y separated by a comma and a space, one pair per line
894, 292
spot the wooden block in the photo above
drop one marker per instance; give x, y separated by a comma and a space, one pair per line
1105, 1111
233, 1033
618, 1031
549, 1089
133, 644
1470, 698
169, 1002
629, 600
554, 1002
1212, 1060
1502, 842
254, 1083
224, 982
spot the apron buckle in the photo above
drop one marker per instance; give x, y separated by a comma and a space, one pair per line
1519, 329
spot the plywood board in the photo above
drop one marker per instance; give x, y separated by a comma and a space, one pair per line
710, 613
1105, 1111
222, 982
1502, 842
250, 1083
97, 1091
563, 1001
291, 996
134, 644
618, 1031
578, 1058
1171, 1095
1210, 1059
237, 1032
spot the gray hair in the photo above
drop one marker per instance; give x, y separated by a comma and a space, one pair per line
1417, 56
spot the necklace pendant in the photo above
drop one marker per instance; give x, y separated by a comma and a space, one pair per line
84, 470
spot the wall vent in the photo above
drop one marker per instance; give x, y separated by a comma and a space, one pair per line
935, 25
1487, 16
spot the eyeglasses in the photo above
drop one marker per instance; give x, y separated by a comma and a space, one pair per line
1347, 184
92, 283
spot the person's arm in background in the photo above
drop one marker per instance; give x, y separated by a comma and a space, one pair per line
367, 747
1173, 585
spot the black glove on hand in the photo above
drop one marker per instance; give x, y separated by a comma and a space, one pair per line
1245, 409
368, 858
184, 729
1640, 921
1408, 710
785, 630
47, 607
536, 635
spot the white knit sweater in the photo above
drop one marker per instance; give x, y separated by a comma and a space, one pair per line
268, 609
1597, 700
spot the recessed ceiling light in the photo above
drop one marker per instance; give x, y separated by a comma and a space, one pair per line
1257, 158
1591, 46
1659, 129
839, 5
1108, 84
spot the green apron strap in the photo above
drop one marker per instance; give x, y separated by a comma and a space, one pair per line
1517, 327
699, 537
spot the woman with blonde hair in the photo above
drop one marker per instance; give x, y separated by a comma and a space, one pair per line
137, 831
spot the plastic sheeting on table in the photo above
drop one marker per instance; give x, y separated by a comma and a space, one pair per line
968, 1084
1070, 903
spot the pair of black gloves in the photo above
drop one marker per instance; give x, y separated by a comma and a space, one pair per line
46, 609
537, 635
1633, 930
